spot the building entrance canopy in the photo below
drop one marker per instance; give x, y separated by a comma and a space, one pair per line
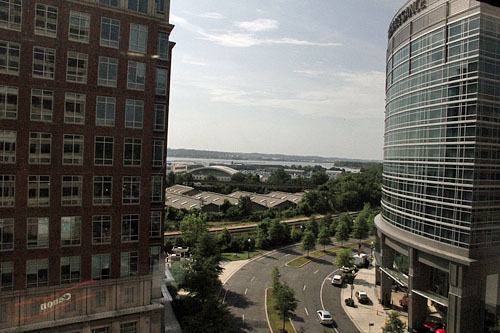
397, 276
436, 298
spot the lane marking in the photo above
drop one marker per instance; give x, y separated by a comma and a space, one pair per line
246, 290
243, 317
307, 312
303, 289
253, 278
224, 299
322, 284
316, 271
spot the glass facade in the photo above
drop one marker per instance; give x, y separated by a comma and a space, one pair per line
441, 143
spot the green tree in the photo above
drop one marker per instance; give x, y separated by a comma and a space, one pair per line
308, 242
278, 176
319, 177
361, 228
170, 179
324, 237
192, 227
342, 232
245, 205
495, 328
275, 274
295, 235
238, 177
393, 324
344, 258
286, 303
224, 239
277, 233
210, 177
312, 226
226, 204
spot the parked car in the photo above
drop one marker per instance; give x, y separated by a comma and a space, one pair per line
362, 297
346, 269
337, 280
324, 317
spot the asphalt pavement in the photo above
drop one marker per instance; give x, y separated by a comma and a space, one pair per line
244, 292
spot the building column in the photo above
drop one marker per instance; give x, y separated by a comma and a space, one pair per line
387, 254
466, 299
418, 279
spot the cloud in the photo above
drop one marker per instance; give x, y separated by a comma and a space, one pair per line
237, 39
212, 15
257, 25
309, 72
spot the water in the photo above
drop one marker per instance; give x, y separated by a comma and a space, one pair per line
207, 161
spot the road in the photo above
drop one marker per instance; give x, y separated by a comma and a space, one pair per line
244, 292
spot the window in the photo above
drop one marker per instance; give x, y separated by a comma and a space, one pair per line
100, 266
3, 313
108, 69
8, 102
136, 75
100, 298
6, 234
44, 62
154, 258
138, 5
72, 149
74, 108
71, 191
128, 327
8, 146
37, 273
103, 190
131, 190
77, 67
71, 230
132, 152
158, 148
70, 269
130, 228
103, 154
163, 45
105, 111
134, 111
9, 57
11, 14
38, 191
114, 3
156, 188
42, 104
79, 27
129, 291
106, 329
155, 224
6, 275
159, 117
101, 229
38, 232
45, 20
110, 32
138, 40
40, 148
160, 6
161, 82
7, 190
129, 264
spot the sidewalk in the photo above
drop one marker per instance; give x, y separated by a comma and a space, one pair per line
230, 267
363, 314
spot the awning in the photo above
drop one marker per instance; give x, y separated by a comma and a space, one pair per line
436, 298
397, 276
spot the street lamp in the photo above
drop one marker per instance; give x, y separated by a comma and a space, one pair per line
249, 243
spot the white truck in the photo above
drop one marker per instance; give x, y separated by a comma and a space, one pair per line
361, 260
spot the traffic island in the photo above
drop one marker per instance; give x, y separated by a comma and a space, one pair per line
273, 319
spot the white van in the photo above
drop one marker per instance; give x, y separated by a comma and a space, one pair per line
337, 280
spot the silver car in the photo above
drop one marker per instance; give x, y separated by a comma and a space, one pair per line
324, 317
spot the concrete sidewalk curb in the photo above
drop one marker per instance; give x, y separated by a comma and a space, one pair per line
343, 295
265, 308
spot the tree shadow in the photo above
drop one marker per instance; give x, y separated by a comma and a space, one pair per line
238, 323
320, 261
237, 300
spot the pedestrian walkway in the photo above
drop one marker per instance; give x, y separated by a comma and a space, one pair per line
373, 312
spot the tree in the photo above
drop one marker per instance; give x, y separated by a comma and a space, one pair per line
275, 274
361, 228
226, 204
238, 177
324, 237
210, 177
276, 233
170, 179
278, 176
286, 303
344, 258
393, 324
319, 177
224, 239
308, 242
192, 227
245, 205
342, 232
313, 226
295, 235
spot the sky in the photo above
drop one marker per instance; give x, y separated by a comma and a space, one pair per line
298, 77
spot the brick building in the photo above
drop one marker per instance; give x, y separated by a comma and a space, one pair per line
84, 92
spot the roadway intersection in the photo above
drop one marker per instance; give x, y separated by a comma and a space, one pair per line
244, 292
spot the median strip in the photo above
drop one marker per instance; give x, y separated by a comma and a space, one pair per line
273, 320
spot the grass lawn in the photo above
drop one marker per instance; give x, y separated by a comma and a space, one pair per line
274, 319
230, 256
300, 261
